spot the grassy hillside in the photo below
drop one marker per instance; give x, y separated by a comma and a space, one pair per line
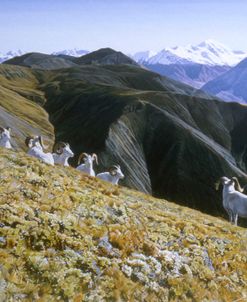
21, 104
67, 237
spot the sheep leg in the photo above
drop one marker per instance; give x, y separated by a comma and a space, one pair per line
230, 216
236, 219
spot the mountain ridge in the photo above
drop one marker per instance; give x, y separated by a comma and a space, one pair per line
231, 86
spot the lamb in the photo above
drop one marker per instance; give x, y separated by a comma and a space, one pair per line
61, 153
87, 165
5, 137
234, 202
35, 145
113, 175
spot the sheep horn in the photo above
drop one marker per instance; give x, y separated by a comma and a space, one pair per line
57, 146
41, 141
82, 156
95, 157
237, 184
28, 141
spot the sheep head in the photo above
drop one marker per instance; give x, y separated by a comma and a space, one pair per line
222, 181
5, 132
115, 170
82, 157
58, 147
63, 148
85, 157
32, 141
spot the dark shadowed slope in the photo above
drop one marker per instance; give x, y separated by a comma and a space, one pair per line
166, 138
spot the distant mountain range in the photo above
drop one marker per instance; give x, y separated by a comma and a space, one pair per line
72, 52
210, 65
104, 56
208, 52
10, 54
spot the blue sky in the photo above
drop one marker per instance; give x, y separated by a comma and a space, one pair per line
127, 25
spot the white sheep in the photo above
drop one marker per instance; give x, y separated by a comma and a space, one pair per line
234, 202
5, 137
87, 165
35, 145
61, 153
113, 175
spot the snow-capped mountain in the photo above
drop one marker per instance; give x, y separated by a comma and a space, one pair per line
72, 52
208, 52
167, 57
143, 56
10, 54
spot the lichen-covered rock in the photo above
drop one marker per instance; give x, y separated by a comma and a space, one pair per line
65, 236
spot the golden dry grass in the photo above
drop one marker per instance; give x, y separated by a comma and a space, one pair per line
65, 236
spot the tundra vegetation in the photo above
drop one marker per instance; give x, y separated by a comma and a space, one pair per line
66, 236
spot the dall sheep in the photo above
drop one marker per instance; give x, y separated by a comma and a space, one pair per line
234, 202
113, 175
35, 145
61, 153
87, 165
5, 137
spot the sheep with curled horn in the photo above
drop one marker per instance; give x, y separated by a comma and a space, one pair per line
234, 202
61, 153
37, 141
113, 174
5, 137
85, 163
35, 148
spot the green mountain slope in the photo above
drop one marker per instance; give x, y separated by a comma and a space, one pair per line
41, 61
67, 237
105, 56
